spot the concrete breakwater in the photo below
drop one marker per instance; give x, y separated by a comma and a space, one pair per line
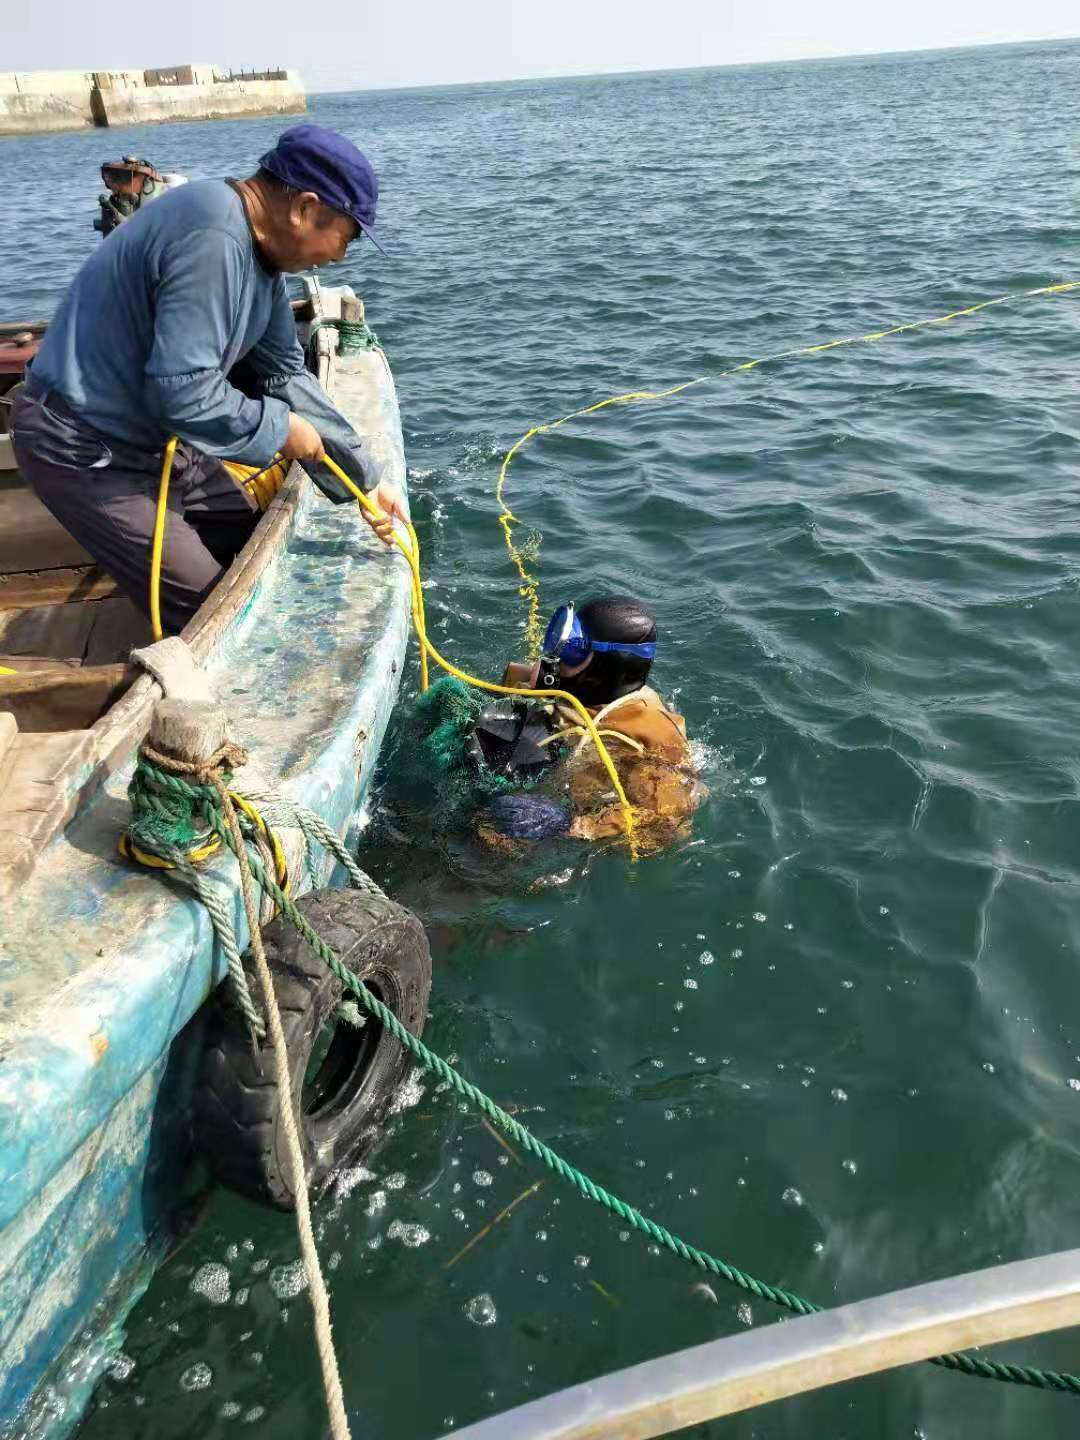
42, 100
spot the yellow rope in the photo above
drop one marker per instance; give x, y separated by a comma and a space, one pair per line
158, 545
507, 519
529, 589
411, 551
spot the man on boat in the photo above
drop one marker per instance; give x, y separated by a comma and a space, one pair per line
602, 655
180, 324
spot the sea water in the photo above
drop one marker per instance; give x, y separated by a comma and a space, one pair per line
833, 1037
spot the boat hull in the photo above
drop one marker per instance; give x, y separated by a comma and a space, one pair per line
104, 968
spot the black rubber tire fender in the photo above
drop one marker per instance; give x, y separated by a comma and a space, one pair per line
237, 1110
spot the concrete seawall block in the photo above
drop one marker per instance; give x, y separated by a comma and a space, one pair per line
75, 100
31, 114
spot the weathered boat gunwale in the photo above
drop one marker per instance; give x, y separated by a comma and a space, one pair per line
96, 1040
115, 734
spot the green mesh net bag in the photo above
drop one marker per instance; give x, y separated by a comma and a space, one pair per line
443, 718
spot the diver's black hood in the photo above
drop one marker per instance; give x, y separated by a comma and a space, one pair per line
609, 675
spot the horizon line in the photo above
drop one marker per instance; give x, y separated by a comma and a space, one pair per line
688, 69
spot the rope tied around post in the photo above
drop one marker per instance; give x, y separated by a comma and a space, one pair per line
191, 729
353, 335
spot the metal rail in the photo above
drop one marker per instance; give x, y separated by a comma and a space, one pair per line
725, 1376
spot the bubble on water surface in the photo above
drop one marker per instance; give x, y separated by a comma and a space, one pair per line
1073, 1084
838, 1095
288, 1281
791, 1196
481, 1310
211, 1281
482, 1177
197, 1377
690, 984
121, 1367
411, 1236
409, 1094
744, 1314
706, 958
581, 1261
346, 1181
230, 1410
850, 1166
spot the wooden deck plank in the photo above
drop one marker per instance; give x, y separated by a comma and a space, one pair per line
30, 538
60, 632
45, 701
68, 585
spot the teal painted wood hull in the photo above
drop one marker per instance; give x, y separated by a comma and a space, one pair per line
104, 968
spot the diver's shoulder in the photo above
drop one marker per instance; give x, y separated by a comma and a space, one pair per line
652, 700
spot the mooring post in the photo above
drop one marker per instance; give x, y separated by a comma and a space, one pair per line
191, 731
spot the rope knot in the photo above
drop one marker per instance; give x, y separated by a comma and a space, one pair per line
225, 759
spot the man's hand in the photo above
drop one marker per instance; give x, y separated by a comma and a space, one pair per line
303, 442
391, 503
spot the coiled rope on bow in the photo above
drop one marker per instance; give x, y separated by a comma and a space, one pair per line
210, 797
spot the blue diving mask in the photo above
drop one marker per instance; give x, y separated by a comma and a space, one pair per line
567, 642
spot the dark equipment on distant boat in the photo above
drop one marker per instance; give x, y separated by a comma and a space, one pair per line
132, 182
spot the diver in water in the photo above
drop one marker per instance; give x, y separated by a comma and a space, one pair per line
602, 655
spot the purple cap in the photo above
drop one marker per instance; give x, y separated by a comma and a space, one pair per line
310, 157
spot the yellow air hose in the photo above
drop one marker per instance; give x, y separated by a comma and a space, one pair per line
159, 538
411, 551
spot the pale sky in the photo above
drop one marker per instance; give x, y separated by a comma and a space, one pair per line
370, 44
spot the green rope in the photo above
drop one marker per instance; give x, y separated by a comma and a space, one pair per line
966, 1364
353, 335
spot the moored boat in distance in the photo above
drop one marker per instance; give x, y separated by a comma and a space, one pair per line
104, 966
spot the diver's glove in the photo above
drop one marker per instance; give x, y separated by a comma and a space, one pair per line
527, 817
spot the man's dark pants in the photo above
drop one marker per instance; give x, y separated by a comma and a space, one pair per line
104, 493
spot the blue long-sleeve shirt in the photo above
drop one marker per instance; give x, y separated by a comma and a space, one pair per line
143, 342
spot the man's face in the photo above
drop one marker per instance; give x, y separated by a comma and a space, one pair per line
314, 234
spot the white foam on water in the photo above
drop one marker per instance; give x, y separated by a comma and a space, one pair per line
481, 1310
197, 1377
411, 1236
212, 1282
409, 1095
288, 1281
